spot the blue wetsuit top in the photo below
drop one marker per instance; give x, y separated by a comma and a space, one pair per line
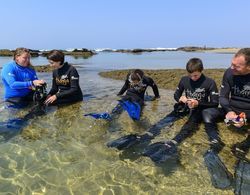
17, 80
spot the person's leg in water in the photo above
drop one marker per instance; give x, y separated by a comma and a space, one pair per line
240, 149
210, 117
220, 176
161, 152
20, 102
189, 127
116, 111
187, 130
127, 141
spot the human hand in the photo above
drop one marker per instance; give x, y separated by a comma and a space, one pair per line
192, 103
236, 120
183, 99
231, 115
241, 120
239, 123
50, 99
38, 82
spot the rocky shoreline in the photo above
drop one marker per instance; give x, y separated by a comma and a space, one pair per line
167, 78
185, 49
86, 53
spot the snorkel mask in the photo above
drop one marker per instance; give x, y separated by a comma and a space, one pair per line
135, 80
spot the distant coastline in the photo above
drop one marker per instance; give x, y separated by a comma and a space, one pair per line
83, 52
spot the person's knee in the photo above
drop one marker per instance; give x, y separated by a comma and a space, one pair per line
208, 115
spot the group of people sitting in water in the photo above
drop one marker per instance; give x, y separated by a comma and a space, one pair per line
20, 80
197, 94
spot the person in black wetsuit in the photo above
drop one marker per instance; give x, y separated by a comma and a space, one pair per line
65, 85
135, 87
200, 93
234, 99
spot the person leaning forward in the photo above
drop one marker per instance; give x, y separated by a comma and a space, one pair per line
19, 78
65, 85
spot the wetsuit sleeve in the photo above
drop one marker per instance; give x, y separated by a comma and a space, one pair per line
179, 90
54, 88
125, 86
10, 77
224, 94
154, 87
213, 95
74, 85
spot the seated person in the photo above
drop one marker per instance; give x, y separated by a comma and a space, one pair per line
19, 78
65, 84
135, 86
200, 92
234, 99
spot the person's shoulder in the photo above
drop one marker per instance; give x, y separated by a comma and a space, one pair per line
147, 79
228, 73
73, 69
9, 65
184, 78
208, 79
70, 66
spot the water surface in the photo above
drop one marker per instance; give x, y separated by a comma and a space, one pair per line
64, 152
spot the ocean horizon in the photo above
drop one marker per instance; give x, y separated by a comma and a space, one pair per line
144, 60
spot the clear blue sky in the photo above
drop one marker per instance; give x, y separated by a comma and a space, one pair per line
49, 24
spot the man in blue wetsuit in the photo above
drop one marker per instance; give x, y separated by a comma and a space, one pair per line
19, 78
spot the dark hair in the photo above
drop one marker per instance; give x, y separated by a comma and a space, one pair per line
139, 71
136, 75
56, 56
246, 53
194, 64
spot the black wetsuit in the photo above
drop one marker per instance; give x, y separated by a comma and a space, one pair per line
238, 86
205, 91
135, 93
66, 85
234, 96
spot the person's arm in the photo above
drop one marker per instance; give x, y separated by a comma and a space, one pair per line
9, 76
213, 95
54, 88
179, 90
125, 86
224, 94
154, 87
74, 85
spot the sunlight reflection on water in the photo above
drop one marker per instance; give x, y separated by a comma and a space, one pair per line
64, 152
